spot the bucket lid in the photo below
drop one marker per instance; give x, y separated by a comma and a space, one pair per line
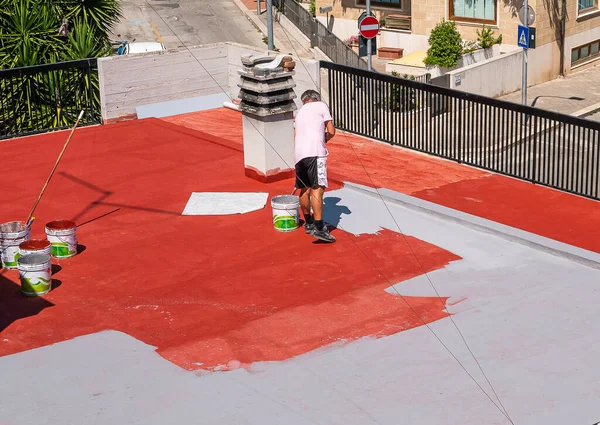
34, 244
12, 227
34, 259
285, 200
60, 224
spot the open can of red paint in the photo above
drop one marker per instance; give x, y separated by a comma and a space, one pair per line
62, 237
35, 246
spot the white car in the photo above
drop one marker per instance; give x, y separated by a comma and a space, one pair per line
142, 47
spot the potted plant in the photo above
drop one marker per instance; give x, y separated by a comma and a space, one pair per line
352, 42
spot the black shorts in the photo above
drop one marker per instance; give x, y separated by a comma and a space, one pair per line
311, 172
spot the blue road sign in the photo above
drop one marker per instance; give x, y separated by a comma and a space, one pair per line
523, 37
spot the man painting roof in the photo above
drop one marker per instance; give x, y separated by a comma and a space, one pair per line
314, 128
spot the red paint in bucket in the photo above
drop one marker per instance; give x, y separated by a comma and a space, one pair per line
34, 245
60, 224
62, 237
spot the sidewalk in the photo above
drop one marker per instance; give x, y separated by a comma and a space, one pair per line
569, 95
284, 41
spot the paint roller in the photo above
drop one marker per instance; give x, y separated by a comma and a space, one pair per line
31, 218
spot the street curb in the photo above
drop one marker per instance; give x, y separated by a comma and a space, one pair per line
541, 243
256, 20
587, 111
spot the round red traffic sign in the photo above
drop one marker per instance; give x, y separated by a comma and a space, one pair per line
369, 27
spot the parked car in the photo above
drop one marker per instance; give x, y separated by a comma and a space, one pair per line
127, 48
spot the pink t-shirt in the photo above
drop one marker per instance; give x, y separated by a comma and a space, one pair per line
310, 130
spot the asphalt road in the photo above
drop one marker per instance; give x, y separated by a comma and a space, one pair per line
193, 22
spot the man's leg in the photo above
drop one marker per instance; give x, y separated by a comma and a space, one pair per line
320, 231
316, 200
305, 207
302, 184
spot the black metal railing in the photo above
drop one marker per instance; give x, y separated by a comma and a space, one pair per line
320, 36
547, 148
48, 97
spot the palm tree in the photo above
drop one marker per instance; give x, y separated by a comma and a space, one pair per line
28, 33
36, 32
100, 15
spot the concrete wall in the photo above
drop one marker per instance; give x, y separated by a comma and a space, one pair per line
493, 77
290, 30
134, 80
130, 81
469, 59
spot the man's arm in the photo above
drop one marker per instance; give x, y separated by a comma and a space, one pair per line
329, 130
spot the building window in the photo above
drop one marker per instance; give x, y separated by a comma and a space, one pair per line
396, 4
586, 5
474, 10
585, 53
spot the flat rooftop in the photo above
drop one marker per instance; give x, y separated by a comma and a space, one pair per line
163, 318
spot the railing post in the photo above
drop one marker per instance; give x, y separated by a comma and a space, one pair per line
459, 133
314, 31
91, 114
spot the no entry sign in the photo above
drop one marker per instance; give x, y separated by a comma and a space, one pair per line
369, 27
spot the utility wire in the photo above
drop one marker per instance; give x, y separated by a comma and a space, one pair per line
501, 409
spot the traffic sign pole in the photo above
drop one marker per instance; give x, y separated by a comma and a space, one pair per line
524, 83
368, 26
270, 24
369, 43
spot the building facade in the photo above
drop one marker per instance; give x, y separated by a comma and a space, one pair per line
408, 24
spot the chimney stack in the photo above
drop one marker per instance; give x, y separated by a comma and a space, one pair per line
267, 106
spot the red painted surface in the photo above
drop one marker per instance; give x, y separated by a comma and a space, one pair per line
212, 290
537, 209
271, 177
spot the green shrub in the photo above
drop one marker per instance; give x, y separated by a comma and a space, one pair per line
312, 8
445, 45
402, 99
486, 38
469, 46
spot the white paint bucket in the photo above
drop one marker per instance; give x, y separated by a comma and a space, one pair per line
62, 238
285, 212
36, 274
34, 246
11, 235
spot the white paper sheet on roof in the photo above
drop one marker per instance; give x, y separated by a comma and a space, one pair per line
224, 203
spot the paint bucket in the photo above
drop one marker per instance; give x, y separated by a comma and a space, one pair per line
285, 212
36, 274
11, 235
62, 238
34, 246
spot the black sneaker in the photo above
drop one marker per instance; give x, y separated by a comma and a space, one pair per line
308, 228
323, 235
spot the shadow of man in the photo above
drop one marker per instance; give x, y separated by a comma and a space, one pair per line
332, 211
